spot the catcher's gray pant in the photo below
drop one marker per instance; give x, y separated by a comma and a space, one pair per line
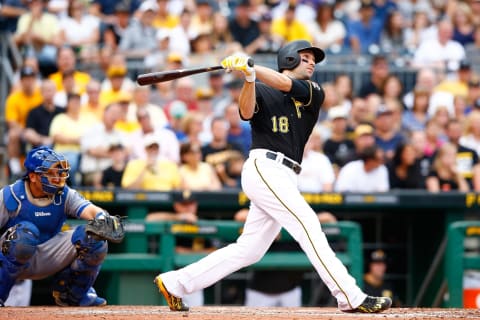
275, 203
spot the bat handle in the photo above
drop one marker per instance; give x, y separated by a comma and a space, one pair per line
250, 62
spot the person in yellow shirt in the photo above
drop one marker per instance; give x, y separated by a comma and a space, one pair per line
17, 106
66, 62
67, 130
289, 28
151, 173
92, 107
163, 18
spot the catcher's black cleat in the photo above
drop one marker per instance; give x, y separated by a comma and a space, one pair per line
175, 303
373, 305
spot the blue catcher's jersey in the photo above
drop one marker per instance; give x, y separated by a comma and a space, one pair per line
49, 218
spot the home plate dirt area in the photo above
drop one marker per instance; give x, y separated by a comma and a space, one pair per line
225, 313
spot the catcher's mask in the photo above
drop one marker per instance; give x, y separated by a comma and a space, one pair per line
52, 168
289, 58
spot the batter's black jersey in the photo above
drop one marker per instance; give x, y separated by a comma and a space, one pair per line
283, 121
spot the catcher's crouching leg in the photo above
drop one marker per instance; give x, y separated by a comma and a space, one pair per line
19, 244
73, 285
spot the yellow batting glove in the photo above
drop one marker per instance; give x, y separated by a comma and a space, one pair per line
228, 62
244, 63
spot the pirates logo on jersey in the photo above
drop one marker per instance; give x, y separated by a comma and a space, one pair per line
298, 105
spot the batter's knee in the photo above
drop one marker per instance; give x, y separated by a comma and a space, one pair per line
20, 242
92, 251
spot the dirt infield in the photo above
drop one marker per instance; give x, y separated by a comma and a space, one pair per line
225, 313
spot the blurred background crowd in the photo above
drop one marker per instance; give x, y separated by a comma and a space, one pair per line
411, 121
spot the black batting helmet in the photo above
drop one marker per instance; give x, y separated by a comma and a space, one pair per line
288, 57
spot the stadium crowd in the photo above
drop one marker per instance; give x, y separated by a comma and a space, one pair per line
187, 133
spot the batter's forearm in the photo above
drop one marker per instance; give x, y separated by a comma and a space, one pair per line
273, 78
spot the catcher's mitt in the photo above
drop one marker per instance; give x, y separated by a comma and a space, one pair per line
106, 227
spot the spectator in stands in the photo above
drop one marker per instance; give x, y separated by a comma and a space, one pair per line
444, 174
463, 24
66, 131
66, 63
196, 174
233, 87
404, 169
117, 65
151, 173
374, 279
10, 12
204, 97
266, 42
39, 118
328, 32
379, 71
441, 117
217, 83
454, 85
475, 6
164, 19
112, 31
472, 49
184, 89
38, 34
239, 131
344, 88
95, 145
117, 75
387, 135
331, 100
112, 176
420, 29
426, 80
392, 38
368, 174
471, 134
81, 31
141, 101
364, 34
442, 52
418, 140
69, 86
473, 98
177, 112
168, 142
92, 106
289, 28
181, 34
221, 154
467, 159
105, 9
139, 38
433, 135
416, 118
317, 173
202, 19
17, 106
392, 90
459, 108
244, 29
339, 148
359, 113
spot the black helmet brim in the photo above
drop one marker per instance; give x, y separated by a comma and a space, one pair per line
318, 53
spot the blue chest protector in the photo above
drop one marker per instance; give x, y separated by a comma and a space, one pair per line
48, 219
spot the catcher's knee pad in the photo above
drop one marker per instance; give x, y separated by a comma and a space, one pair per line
20, 242
19, 245
90, 250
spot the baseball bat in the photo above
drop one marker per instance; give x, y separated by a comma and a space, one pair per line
162, 76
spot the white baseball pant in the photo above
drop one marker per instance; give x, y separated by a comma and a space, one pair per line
275, 203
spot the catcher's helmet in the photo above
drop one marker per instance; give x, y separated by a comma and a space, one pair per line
52, 167
288, 57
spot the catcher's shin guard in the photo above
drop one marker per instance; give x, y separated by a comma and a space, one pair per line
19, 244
73, 285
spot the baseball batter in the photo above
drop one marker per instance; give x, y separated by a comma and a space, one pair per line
282, 108
33, 210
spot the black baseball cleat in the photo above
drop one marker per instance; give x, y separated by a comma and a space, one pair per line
175, 303
373, 305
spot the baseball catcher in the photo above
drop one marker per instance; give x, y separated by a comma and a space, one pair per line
33, 246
